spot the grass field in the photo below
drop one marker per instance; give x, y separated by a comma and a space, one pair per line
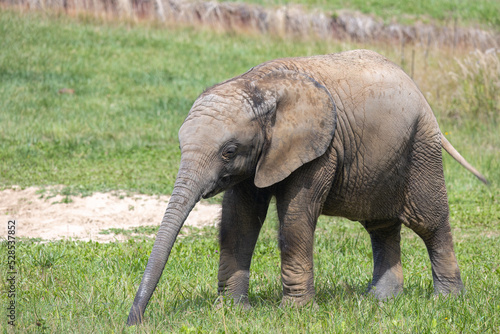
88, 287
132, 87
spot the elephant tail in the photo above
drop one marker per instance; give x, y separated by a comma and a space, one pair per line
458, 157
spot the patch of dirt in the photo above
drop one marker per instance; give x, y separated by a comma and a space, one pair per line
40, 215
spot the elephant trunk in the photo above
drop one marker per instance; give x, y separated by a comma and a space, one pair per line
185, 195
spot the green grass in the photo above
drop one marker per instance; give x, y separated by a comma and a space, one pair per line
81, 287
133, 86
479, 12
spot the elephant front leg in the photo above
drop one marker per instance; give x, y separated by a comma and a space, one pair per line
296, 238
244, 210
387, 270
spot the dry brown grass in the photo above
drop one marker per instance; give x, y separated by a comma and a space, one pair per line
478, 81
457, 82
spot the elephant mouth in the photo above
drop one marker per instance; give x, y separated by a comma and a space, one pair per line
212, 193
222, 184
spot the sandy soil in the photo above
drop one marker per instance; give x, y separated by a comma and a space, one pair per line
48, 218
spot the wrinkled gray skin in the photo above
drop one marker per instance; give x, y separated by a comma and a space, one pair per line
344, 134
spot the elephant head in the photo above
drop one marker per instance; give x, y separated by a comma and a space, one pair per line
261, 125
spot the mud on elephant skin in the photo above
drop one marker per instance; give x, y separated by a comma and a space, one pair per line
345, 134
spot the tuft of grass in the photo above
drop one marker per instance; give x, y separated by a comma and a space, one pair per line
479, 84
134, 231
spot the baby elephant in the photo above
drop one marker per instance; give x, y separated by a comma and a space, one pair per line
345, 134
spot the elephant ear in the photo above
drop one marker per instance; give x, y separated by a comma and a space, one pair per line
300, 122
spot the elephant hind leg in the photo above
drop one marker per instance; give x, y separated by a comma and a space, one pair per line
387, 270
437, 237
445, 271
426, 212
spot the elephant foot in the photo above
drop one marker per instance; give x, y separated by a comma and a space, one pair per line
298, 302
448, 286
241, 302
384, 292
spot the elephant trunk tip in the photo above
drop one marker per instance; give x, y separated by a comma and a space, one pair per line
135, 316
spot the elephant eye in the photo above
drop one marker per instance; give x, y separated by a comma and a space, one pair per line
229, 151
